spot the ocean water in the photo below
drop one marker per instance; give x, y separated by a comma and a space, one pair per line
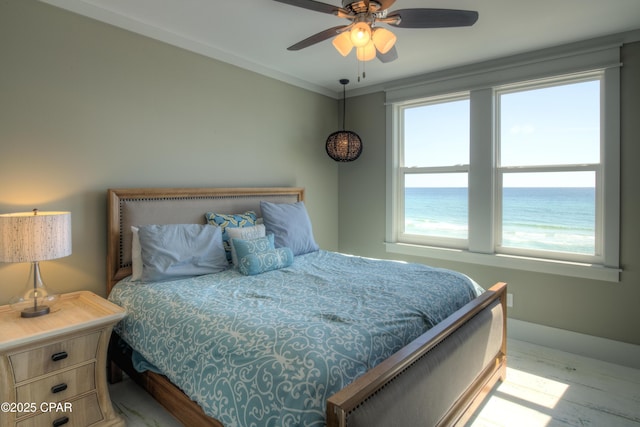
555, 219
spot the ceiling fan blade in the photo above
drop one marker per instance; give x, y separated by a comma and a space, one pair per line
391, 55
432, 18
385, 4
315, 5
317, 38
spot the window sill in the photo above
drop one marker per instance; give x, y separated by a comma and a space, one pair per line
571, 269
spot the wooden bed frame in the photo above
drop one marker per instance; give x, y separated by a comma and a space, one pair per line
438, 379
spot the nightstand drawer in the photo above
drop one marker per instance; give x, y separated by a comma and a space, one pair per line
84, 412
59, 386
42, 360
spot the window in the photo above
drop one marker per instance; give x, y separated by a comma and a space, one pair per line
519, 175
435, 167
548, 169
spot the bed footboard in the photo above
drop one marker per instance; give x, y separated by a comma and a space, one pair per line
457, 361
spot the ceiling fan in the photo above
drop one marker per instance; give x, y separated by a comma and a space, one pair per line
363, 33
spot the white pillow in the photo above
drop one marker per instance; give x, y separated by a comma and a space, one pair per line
136, 255
244, 233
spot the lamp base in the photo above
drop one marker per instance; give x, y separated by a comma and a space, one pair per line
37, 300
40, 310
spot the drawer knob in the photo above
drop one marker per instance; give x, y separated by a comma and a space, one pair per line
58, 388
60, 421
59, 356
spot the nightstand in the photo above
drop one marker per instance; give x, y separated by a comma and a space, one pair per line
53, 368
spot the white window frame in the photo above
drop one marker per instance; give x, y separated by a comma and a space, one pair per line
481, 84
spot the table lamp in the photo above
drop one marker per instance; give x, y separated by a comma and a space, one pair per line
33, 237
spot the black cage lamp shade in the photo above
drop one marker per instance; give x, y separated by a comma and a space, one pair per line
344, 145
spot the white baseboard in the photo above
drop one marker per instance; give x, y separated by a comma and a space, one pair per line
573, 342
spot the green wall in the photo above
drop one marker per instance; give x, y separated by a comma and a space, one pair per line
602, 309
85, 106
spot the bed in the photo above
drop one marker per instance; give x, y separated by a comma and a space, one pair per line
434, 368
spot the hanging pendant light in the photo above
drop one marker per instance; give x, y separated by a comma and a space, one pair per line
344, 145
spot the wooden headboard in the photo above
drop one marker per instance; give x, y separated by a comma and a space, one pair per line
141, 206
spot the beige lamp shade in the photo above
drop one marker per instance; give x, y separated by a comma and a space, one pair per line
383, 39
28, 237
360, 34
342, 43
366, 53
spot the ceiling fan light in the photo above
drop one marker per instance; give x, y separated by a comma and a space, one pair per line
383, 39
360, 34
342, 43
366, 53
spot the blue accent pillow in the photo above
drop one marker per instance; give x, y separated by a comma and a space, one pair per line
290, 224
225, 221
244, 247
260, 262
180, 250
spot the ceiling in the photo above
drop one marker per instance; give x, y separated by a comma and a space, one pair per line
254, 34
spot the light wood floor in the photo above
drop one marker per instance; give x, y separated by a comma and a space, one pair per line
544, 388
551, 388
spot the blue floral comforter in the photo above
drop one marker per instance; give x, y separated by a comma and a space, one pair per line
268, 350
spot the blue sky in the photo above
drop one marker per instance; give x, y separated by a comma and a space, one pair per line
551, 125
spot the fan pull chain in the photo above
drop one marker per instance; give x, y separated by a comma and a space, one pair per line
364, 74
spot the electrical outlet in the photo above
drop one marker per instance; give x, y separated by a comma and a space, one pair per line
509, 300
